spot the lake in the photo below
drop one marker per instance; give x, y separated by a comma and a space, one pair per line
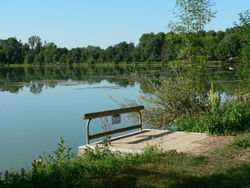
38, 105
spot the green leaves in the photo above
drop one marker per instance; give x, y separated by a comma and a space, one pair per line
62, 155
228, 119
192, 15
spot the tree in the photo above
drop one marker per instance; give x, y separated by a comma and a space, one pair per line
74, 55
58, 53
245, 18
34, 42
29, 59
245, 36
94, 54
228, 47
110, 54
121, 52
40, 59
192, 15
210, 45
150, 46
171, 46
2, 56
50, 51
11, 51
244, 64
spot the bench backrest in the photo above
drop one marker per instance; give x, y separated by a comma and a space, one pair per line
90, 116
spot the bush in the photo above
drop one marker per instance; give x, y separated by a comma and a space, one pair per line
227, 119
242, 141
185, 93
188, 104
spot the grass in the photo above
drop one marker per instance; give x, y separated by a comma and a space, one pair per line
153, 168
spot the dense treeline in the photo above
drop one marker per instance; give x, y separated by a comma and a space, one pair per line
159, 47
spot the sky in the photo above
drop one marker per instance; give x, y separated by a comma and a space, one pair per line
79, 23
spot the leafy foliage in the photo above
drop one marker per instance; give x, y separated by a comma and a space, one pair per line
169, 99
245, 36
227, 119
152, 47
192, 15
242, 141
154, 168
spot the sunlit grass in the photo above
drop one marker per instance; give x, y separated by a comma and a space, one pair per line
153, 168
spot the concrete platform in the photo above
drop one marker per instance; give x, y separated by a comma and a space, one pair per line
191, 143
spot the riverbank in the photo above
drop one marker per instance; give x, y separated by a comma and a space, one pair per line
225, 167
106, 64
211, 64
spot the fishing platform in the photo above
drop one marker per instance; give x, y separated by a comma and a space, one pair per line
140, 139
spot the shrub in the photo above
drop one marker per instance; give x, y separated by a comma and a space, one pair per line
227, 119
242, 141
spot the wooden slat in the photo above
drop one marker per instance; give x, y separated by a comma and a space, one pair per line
114, 131
112, 112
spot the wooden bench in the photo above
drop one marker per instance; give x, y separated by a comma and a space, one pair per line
115, 112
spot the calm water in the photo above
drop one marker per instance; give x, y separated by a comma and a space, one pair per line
40, 105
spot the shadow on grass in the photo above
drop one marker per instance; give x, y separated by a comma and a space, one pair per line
231, 178
234, 177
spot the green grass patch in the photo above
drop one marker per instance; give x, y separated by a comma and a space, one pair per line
153, 168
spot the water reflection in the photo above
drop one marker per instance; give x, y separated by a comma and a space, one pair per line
39, 78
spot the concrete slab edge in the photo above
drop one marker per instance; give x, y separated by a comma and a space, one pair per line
122, 150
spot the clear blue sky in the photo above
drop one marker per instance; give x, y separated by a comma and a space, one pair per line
78, 23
